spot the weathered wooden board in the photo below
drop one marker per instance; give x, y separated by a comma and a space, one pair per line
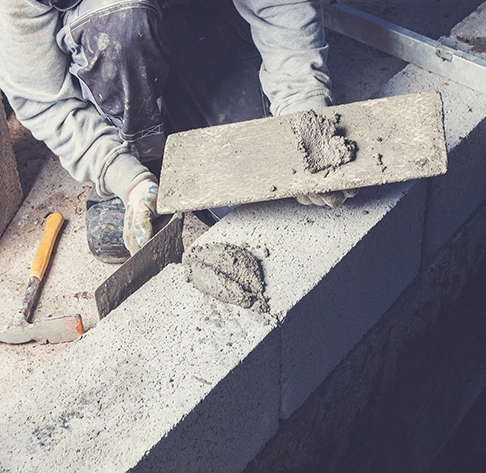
397, 138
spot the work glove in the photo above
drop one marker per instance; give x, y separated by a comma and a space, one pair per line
140, 212
328, 199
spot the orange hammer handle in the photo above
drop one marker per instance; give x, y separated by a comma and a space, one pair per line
44, 250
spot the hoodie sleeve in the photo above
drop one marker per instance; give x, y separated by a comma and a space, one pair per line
290, 37
46, 99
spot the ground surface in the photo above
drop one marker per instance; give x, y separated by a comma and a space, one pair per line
73, 274
357, 71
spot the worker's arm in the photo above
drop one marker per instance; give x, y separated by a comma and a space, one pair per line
290, 37
36, 80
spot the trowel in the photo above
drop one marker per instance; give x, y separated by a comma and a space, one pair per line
163, 248
392, 139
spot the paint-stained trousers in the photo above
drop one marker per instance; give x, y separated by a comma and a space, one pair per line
121, 60
121, 54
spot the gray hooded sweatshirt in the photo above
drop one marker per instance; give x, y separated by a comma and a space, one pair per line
48, 101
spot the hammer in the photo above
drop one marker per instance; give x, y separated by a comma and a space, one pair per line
50, 330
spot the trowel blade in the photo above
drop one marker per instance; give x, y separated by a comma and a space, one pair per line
163, 248
397, 139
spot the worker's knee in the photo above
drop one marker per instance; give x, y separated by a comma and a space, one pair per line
122, 25
119, 57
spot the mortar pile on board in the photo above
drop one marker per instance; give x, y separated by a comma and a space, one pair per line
323, 149
312, 152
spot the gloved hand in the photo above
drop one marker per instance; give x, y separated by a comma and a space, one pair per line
140, 211
328, 199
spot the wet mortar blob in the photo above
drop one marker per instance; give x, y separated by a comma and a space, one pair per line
228, 273
322, 147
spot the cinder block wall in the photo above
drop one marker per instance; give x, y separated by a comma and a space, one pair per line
392, 403
10, 189
353, 356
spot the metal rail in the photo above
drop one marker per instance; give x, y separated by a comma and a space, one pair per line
458, 66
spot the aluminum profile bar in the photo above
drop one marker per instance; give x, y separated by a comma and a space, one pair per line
458, 66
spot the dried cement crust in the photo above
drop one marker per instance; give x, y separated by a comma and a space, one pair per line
322, 148
228, 273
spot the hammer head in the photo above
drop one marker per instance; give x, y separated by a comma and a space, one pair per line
50, 330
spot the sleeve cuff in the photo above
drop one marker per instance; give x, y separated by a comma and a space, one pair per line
314, 102
119, 175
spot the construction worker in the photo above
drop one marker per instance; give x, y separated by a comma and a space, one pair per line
102, 83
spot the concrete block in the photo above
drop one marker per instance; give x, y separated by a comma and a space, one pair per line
453, 197
10, 189
319, 331
168, 381
329, 274
393, 402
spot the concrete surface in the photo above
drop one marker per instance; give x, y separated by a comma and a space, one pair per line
459, 192
176, 379
323, 327
10, 189
117, 408
319, 321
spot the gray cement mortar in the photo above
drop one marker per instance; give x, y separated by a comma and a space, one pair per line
228, 273
323, 149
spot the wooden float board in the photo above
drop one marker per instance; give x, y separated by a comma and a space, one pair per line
398, 139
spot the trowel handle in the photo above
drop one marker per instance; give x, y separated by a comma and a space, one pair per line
42, 255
